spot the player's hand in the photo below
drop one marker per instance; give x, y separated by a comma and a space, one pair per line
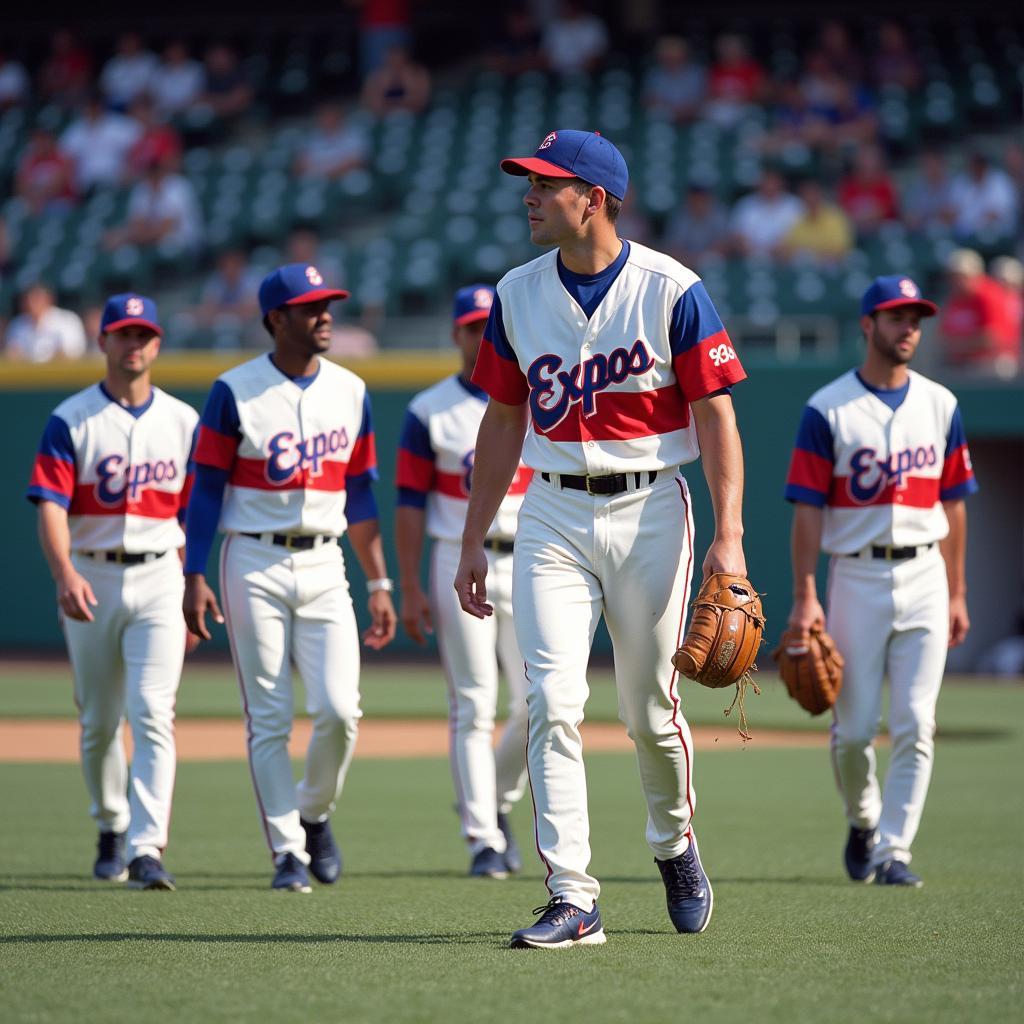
74, 596
807, 614
415, 613
725, 556
381, 631
199, 599
471, 582
959, 622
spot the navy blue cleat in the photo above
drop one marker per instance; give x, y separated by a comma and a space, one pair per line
561, 925
857, 855
291, 875
110, 865
687, 890
488, 863
513, 858
324, 855
148, 873
895, 872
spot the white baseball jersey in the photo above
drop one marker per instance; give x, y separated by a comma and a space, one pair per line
610, 393
881, 474
287, 447
435, 460
122, 474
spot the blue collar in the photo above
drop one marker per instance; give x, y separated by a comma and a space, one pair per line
134, 410
472, 388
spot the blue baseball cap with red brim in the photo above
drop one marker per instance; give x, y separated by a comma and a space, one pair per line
574, 154
892, 291
129, 310
472, 303
293, 284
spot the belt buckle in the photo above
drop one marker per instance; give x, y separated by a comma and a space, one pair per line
593, 494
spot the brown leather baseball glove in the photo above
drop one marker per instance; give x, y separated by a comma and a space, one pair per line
811, 668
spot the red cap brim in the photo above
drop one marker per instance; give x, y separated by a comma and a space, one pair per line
317, 295
472, 316
927, 308
132, 321
531, 165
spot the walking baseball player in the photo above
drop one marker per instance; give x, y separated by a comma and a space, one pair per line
284, 464
435, 469
878, 478
610, 359
111, 481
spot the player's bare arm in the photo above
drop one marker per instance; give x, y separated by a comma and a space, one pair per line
410, 529
366, 543
805, 543
954, 551
722, 457
198, 600
499, 445
74, 595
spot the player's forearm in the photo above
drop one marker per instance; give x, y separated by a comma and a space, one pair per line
954, 547
499, 445
722, 457
55, 538
805, 544
366, 543
410, 529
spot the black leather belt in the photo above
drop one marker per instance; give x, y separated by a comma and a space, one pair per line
124, 557
502, 547
616, 483
292, 541
888, 551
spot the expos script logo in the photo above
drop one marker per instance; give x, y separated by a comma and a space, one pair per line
553, 390
869, 474
119, 479
288, 456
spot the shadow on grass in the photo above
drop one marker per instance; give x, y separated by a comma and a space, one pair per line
424, 939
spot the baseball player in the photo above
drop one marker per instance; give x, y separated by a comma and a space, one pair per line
435, 469
610, 359
878, 479
111, 481
284, 463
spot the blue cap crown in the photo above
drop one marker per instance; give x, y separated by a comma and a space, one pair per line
568, 153
293, 284
129, 309
892, 291
473, 303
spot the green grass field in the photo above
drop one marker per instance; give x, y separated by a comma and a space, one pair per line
405, 936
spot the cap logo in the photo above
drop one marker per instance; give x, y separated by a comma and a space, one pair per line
314, 276
134, 307
908, 288
482, 298
548, 140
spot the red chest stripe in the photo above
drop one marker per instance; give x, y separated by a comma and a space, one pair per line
252, 473
624, 415
917, 492
151, 504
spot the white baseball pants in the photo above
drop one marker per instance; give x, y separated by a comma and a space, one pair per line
487, 779
887, 618
629, 557
127, 662
283, 607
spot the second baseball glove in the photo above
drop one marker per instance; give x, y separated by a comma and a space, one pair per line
811, 668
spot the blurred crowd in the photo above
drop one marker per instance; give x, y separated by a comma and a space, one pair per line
132, 116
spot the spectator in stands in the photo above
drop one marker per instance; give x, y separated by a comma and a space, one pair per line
162, 211
334, 147
761, 220
226, 93
893, 62
517, 48
794, 128
975, 330
98, 141
675, 86
14, 83
823, 233
157, 143
129, 73
66, 75
399, 84
927, 202
228, 308
43, 331
575, 40
839, 53
867, 194
45, 179
736, 82
985, 201
303, 246
178, 82
698, 229
383, 24
841, 112
1008, 271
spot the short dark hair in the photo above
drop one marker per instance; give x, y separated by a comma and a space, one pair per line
612, 204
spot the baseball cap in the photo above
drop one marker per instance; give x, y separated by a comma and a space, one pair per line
893, 290
294, 284
129, 310
573, 154
473, 303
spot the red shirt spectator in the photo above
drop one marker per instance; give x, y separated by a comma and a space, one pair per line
46, 176
735, 76
159, 143
868, 195
68, 70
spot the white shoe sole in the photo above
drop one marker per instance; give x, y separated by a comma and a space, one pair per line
593, 939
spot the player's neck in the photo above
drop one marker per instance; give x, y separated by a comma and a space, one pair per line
295, 364
129, 391
597, 250
880, 373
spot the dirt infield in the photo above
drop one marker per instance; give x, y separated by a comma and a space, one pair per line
198, 739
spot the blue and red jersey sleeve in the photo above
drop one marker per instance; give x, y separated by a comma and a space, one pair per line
703, 357
957, 479
810, 469
360, 503
190, 478
417, 471
497, 368
219, 429
53, 473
